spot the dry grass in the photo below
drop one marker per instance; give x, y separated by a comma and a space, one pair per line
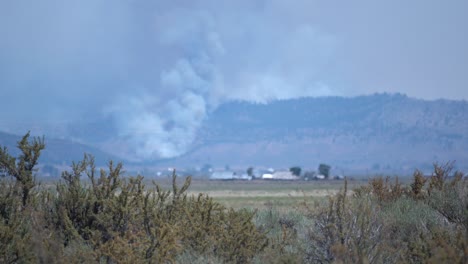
282, 195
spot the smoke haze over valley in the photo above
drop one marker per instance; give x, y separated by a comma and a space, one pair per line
381, 133
146, 80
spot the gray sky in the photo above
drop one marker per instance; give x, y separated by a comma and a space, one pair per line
156, 69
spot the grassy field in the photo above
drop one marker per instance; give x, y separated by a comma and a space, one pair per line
256, 194
261, 194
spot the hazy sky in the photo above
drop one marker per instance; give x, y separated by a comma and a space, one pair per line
154, 70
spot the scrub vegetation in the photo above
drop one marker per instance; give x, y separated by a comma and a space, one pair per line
98, 216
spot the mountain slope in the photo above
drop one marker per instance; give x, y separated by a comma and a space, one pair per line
380, 132
58, 151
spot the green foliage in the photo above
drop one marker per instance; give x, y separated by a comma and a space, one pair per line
120, 217
385, 191
386, 222
324, 169
382, 222
250, 171
417, 191
286, 241
439, 177
17, 201
13, 229
22, 168
347, 231
295, 170
451, 201
108, 218
95, 215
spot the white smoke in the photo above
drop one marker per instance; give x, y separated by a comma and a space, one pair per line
157, 69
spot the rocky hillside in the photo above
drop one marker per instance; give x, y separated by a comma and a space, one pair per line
382, 132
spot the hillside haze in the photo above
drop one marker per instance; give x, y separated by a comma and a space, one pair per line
58, 151
381, 133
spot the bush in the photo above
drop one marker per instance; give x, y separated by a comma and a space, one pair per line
17, 201
347, 231
386, 222
96, 215
108, 218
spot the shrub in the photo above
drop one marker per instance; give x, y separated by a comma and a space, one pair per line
109, 218
384, 190
21, 169
347, 231
121, 218
417, 187
17, 201
386, 222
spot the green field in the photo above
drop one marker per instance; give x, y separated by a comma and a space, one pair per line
260, 194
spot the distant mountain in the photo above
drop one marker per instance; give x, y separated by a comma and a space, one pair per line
381, 132
58, 151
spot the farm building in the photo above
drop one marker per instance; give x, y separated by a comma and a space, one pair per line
229, 175
280, 175
222, 175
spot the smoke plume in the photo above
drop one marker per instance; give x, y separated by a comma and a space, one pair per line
138, 78
153, 71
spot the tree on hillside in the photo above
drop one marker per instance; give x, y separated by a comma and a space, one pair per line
296, 170
250, 171
324, 169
